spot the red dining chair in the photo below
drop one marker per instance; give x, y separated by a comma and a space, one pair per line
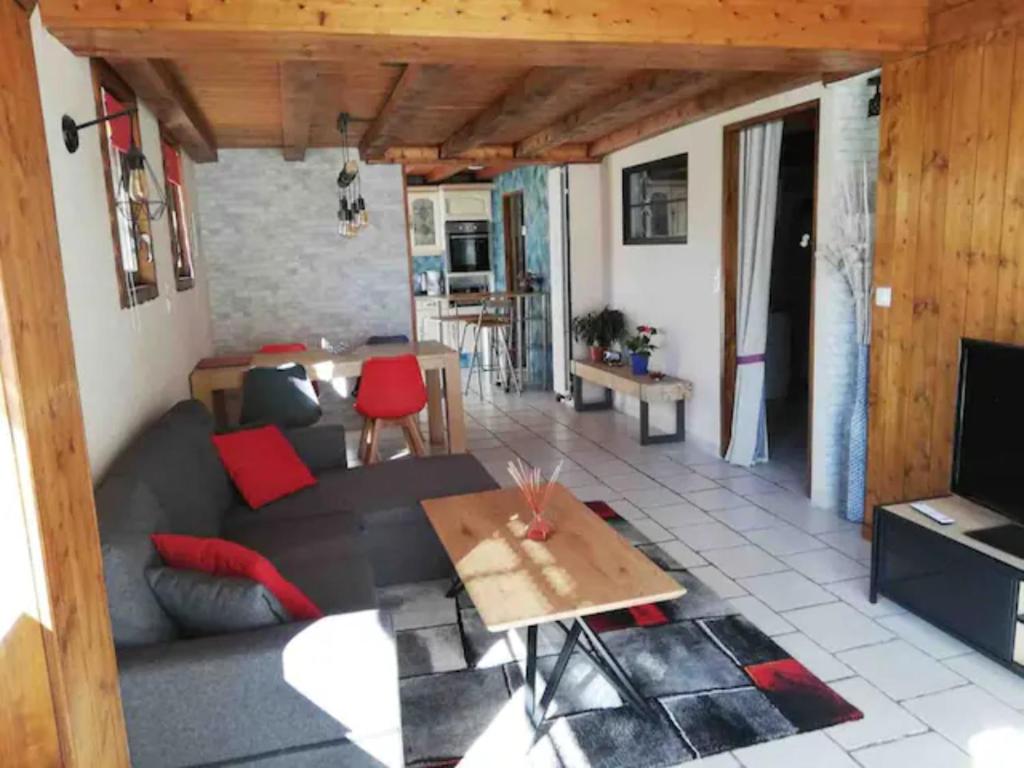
273, 349
391, 391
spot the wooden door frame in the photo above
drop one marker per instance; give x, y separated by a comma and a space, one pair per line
74, 718
730, 258
506, 199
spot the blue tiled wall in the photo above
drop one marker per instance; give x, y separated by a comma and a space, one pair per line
532, 181
421, 264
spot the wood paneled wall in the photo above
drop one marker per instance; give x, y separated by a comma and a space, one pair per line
950, 242
58, 675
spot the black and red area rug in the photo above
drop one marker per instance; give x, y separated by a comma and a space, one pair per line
718, 682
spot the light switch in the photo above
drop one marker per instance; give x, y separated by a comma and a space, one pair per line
883, 296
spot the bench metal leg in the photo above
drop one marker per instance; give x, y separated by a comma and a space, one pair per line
646, 438
577, 398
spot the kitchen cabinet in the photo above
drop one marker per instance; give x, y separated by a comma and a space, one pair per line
426, 225
467, 203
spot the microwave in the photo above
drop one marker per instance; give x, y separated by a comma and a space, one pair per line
469, 246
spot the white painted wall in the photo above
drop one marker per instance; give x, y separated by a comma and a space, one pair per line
131, 364
588, 267
677, 288
557, 288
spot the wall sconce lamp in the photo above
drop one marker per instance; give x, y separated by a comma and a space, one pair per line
70, 128
134, 168
875, 102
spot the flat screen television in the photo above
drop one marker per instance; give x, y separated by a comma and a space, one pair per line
988, 458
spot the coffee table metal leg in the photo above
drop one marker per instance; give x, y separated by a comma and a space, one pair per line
455, 588
531, 672
556, 674
617, 675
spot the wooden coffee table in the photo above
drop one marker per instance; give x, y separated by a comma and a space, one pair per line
586, 567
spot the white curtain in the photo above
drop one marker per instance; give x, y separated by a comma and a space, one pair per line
760, 154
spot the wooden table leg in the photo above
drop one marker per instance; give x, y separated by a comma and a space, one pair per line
435, 411
201, 392
453, 405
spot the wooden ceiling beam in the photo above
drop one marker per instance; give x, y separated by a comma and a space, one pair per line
408, 97
443, 172
488, 173
537, 90
636, 98
683, 33
499, 153
155, 82
298, 88
741, 89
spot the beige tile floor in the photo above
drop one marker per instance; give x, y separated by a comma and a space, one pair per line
796, 571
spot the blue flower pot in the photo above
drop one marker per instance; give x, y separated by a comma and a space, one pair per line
639, 364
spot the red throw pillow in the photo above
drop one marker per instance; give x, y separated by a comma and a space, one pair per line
262, 464
226, 558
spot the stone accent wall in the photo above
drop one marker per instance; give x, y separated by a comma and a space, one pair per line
279, 271
849, 141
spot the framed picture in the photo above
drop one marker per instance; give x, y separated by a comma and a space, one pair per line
654, 201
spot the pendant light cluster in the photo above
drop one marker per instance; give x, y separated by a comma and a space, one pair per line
352, 214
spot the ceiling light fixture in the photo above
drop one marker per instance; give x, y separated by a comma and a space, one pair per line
352, 214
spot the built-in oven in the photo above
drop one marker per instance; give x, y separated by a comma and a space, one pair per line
469, 246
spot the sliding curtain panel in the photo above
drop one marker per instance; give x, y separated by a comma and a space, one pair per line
760, 155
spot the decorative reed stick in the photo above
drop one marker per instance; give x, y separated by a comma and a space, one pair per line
536, 491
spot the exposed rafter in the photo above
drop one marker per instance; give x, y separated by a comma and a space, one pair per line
155, 82
407, 98
298, 87
638, 97
538, 89
502, 153
742, 88
443, 172
823, 34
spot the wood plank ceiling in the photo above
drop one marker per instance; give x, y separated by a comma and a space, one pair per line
470, 84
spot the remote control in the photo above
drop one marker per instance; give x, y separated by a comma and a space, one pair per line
929, 511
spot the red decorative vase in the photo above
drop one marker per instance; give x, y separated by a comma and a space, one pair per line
597, 354
539, 529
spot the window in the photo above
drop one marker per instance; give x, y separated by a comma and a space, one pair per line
130, 224
177, 217
654, 202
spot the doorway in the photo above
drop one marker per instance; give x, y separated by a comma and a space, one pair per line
514, 239
788, 356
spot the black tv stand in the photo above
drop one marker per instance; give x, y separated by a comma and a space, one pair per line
1006, 538
954, 575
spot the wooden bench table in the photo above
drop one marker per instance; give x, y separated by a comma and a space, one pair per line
620, 379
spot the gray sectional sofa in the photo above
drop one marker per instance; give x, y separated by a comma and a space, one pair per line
320, 693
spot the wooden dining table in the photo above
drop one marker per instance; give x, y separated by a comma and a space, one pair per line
212, 377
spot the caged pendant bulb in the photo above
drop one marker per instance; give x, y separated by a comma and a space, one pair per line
352, 214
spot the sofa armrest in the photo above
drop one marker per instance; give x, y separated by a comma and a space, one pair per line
320, 447
233, 696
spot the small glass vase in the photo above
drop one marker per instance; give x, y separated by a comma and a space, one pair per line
539, 529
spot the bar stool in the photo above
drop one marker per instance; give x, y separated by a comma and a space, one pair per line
391, 391
496, 316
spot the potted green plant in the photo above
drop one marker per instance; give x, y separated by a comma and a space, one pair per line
640, 348
611, 327
586, 328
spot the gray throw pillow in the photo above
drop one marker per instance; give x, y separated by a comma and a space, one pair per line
202, 604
